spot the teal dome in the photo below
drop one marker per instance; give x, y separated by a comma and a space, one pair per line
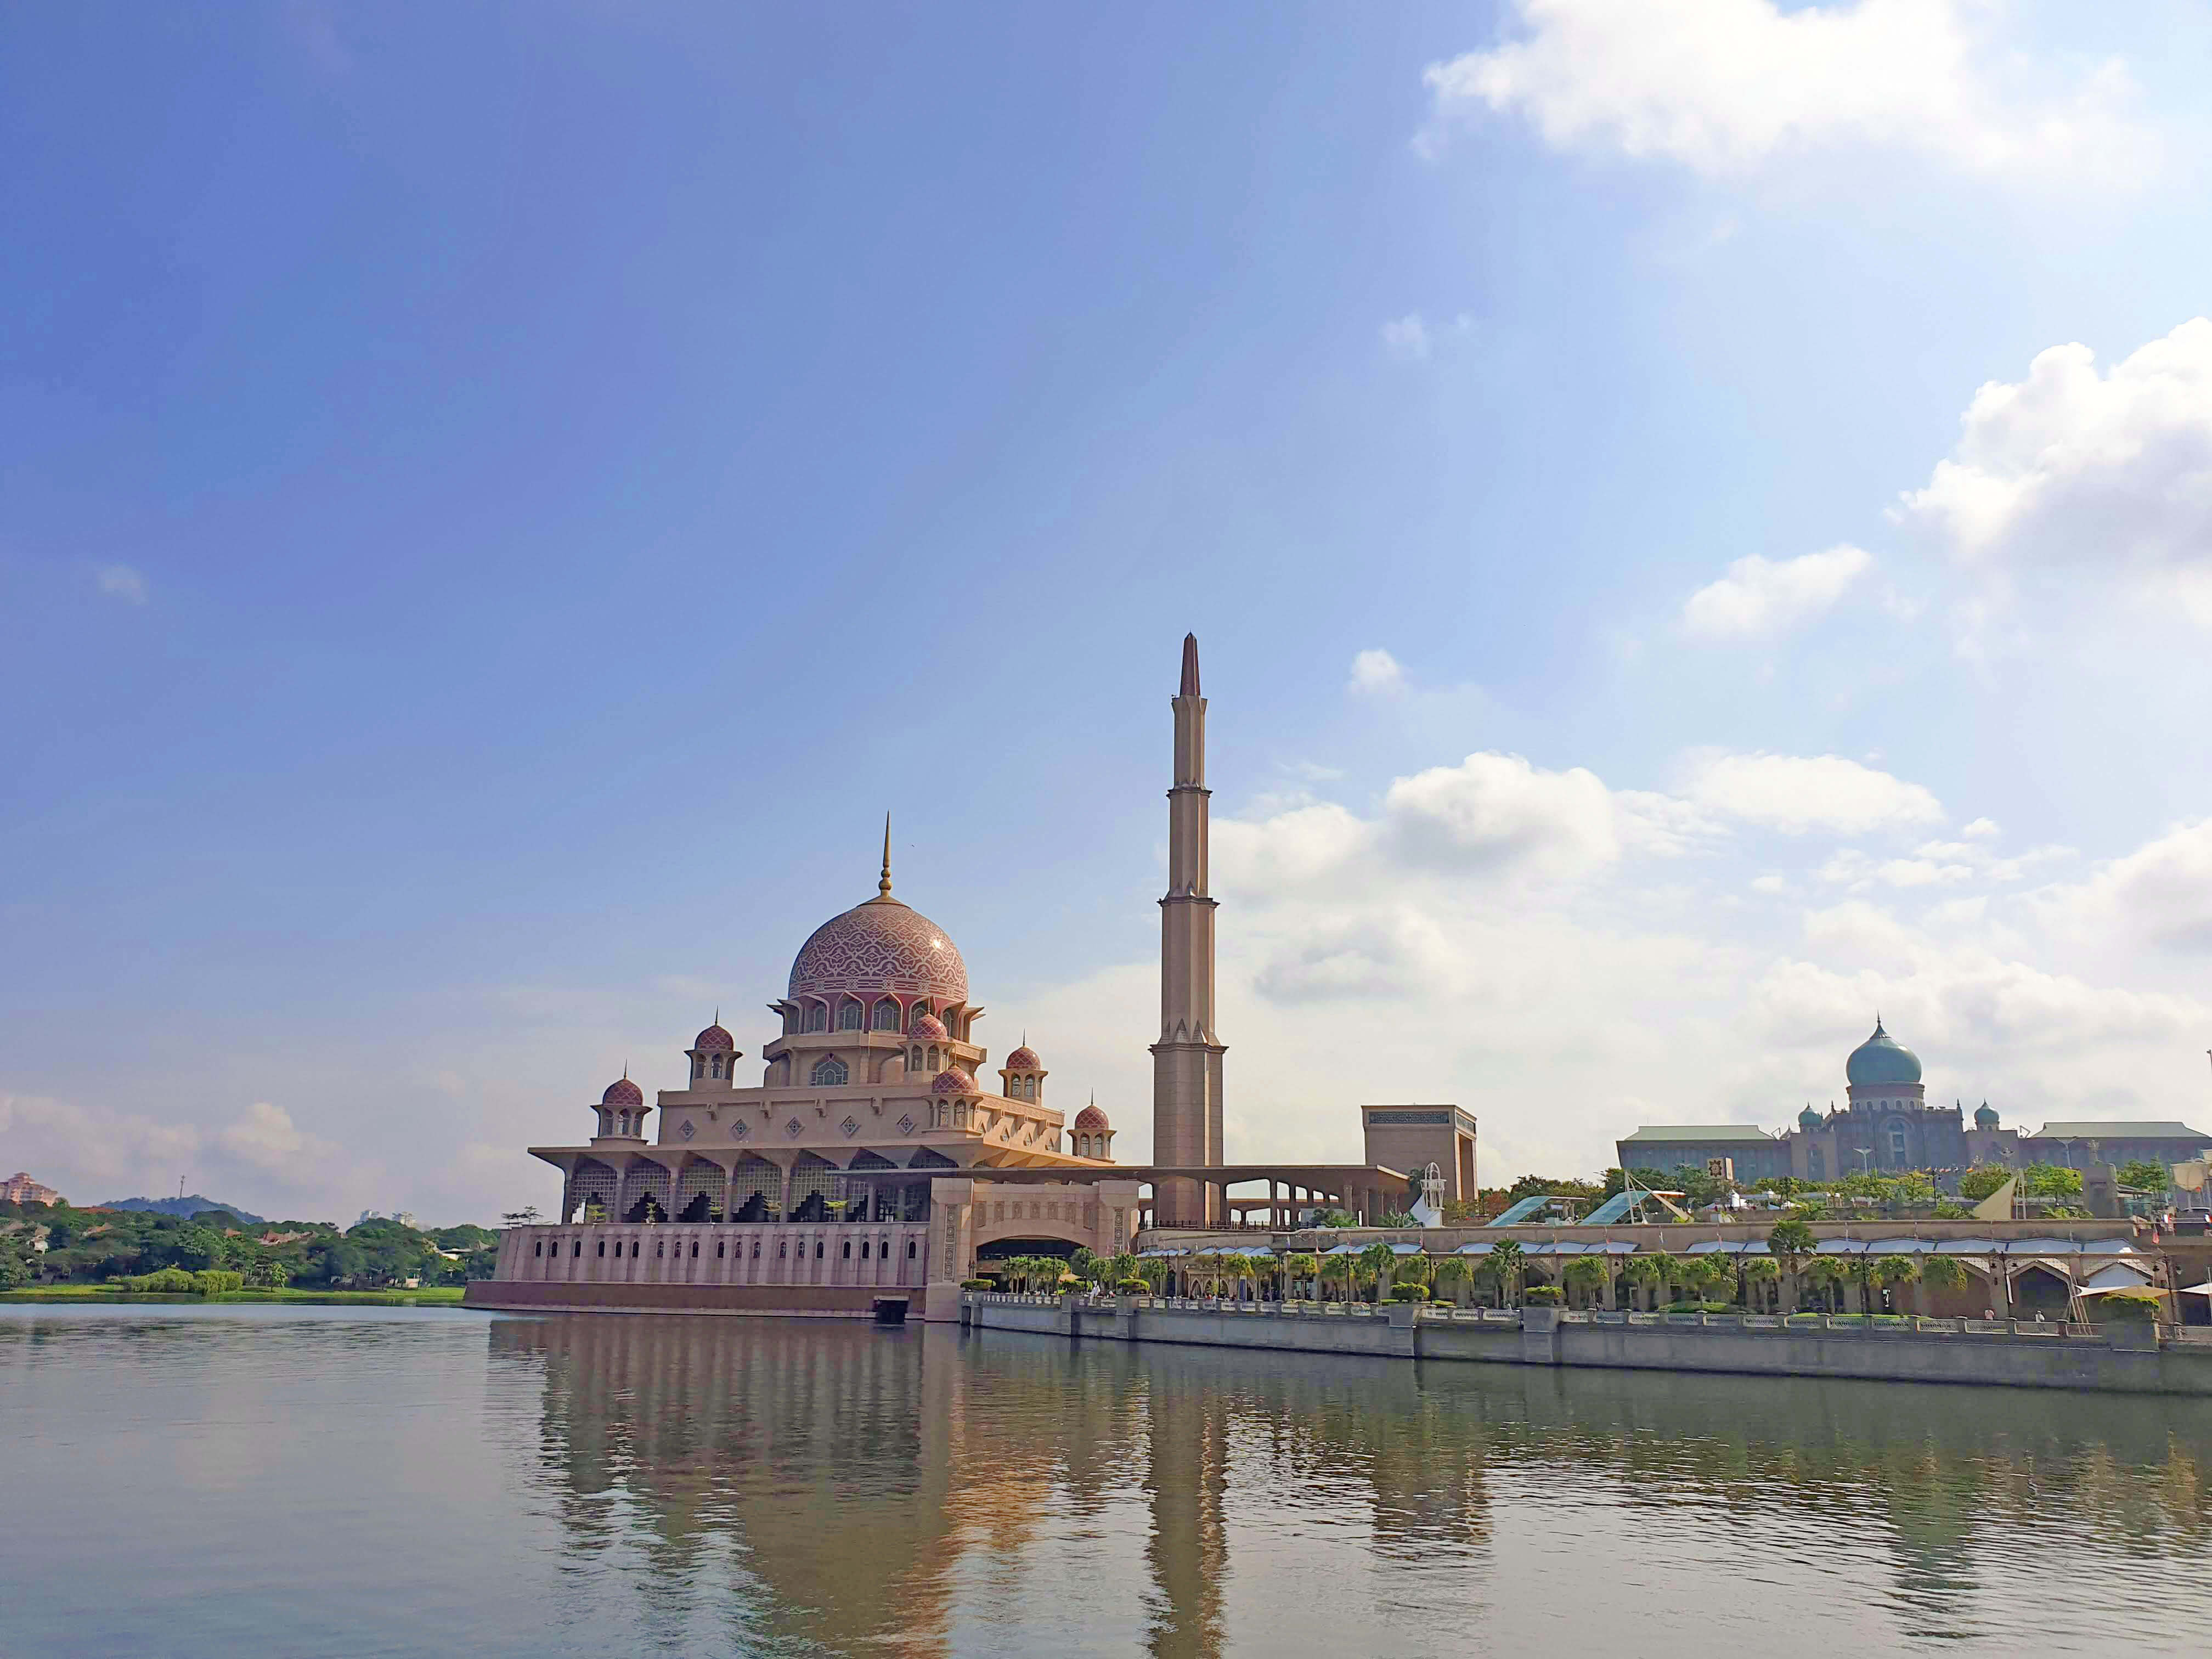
1809, 1119
1880, 1060
1985, 1116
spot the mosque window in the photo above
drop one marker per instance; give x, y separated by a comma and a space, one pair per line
829, 1073
698, 1063
818, 1249
909, 1249
916, 1014
817, 1017
864, 1249
887, 1018
1813, 1162
935, 1064
848, 1252
848, 1016
717, 1064
914, 1064
721, 1246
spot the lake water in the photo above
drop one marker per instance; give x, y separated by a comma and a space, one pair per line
352, 1481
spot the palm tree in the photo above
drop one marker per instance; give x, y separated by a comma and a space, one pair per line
1584, 1273
1861, 1268
1759, 1270
1304, 1268
1086, 1266
1893, 1271
1153, 1271
1240, 1270
1824, 1273
1669, 1273
1379, 1260
1790, 1242
1413, 1270
1942, 1272
1120, 1266
1640, 1273
1506, 1261
1453, 1271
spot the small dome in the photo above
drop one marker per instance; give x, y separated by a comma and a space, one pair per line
1024, 1058
713, 1038
1809, 1119
953, 1081
929, 1029
1985, 1116
1881, 1060
622, 1092
1091, 1118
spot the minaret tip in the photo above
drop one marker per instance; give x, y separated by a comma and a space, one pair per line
884, 881
1189, 666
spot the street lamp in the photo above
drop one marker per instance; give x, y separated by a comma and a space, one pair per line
1867, 1153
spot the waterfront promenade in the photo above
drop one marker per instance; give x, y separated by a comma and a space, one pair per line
2121, 1358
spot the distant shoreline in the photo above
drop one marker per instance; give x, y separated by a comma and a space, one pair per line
435, 1295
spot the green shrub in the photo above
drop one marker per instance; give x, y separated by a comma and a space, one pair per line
166, 1281
1409, 1294
979, 1284
2136, 1306
1133, 1287
1541, 1295
214, 1281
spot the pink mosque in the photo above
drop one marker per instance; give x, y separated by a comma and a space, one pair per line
870, 1167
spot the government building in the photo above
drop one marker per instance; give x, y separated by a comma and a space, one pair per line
1887, 1124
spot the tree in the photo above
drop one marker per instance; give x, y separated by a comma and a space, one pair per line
1983, 1179
1915, 1187
1413, 1270
2050, 1180
1379, 1260
1861, 1268
14, 1273
1641, 1272
1943, 1273
1506, 1262
1826, 1274
1759, 1270
1789, 1242
1086, 1267
267, 1272
1893, 1273
1303, 1268
1586, 1274
1666, 1272
1452, 1273
2141, 1176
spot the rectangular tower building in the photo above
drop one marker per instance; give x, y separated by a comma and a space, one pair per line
1187, 1060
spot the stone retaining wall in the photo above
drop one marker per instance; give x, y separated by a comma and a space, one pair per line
2118, 1360
785, 1301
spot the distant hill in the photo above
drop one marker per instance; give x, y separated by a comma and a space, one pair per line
187, 1207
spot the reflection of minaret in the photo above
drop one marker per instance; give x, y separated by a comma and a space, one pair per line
1187, 1482
1187, 1060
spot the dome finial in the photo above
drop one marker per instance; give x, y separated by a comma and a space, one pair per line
883, 882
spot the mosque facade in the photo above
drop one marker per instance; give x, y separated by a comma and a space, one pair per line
866, 1159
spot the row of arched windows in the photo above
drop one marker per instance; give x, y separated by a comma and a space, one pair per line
1022, 1088
854, 1015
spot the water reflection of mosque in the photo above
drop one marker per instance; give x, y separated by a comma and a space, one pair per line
839, 1486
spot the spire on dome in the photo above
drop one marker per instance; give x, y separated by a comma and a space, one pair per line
1189, 666
883, 882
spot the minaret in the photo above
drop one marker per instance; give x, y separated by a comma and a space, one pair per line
1187, 1060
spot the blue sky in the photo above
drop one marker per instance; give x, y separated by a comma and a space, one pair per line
1698, 517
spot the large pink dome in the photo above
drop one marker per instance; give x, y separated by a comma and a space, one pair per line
882, 945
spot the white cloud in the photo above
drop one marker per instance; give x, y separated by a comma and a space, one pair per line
266, 1138
1981, 827
120, 581
1407, 337
1495, 810
1377, 673
1728, 86
1797, 793
2069, 468
1759, 599
2160, 894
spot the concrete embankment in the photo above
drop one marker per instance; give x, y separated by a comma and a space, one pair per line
2113, 1360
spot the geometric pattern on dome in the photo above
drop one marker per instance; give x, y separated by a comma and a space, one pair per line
953, 1081
714, 1037
1091, 1118
929, 1027
622, 1092
1024, 1059
881, 945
